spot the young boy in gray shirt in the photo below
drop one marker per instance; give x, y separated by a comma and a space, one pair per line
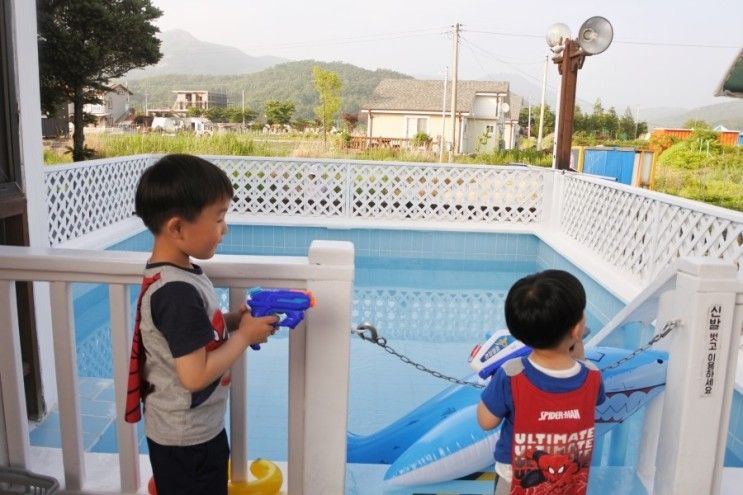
181, 353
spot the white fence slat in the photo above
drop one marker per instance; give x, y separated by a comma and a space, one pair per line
239, 405
67, 385
126, 433
11, 381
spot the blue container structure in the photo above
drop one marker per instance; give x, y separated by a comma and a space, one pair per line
617, 163
740, 139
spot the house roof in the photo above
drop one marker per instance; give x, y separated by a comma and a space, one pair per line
119, 88
732, 82
412, 94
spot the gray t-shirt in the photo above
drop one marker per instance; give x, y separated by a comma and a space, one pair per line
180, 314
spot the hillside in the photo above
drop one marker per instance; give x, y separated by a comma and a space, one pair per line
185, 54
288, 81
728, 113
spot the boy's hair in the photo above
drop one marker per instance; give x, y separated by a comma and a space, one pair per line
543, 307
179, 185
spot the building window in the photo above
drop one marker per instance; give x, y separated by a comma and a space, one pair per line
489, 129
414, 125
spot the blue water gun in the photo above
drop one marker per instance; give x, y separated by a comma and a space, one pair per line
288, 304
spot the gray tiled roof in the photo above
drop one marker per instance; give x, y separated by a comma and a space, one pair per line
412, 94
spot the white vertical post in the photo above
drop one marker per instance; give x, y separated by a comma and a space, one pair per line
727, 399
297, 365
126, 433
67, 386
328, 336
688, 459
14, 448
648, 449
239, 405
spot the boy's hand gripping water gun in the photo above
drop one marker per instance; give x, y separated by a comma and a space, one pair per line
288, 304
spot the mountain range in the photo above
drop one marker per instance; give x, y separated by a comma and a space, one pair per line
189, 64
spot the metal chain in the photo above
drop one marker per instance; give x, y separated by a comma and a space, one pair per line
368, 332
372, 337
667, 328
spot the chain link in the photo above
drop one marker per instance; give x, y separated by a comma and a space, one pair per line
667, 328
368, 332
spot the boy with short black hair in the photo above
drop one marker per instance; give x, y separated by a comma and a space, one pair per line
181, 353
546, 400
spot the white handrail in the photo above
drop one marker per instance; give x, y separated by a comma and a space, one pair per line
319, 356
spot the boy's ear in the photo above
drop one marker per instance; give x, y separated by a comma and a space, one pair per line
173, 227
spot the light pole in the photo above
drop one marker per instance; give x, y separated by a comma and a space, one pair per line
594, 37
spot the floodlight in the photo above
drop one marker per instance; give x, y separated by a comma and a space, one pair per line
556, 33
595, 35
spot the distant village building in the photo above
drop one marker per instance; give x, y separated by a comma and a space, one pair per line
487, 113
114, 106
203, 100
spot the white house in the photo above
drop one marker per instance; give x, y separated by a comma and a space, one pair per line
487, 113
114, 106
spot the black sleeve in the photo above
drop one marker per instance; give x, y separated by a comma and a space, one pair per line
179, 313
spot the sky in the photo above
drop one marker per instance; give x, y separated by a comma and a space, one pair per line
665, 53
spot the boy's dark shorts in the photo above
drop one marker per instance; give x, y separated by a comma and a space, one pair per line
191, 470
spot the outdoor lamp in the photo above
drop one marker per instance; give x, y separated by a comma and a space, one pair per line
594, 36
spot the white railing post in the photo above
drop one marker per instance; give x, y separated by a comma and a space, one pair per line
689, 457
15, 448
126, 433
67, 386
648, 449
554, 202
326, 374
239, 404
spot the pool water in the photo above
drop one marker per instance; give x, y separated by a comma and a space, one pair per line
433, 295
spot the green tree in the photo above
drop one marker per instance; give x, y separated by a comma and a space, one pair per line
195, 112
627, 125
279, 112
696, 124
84, 44
328, 86
216, 114
549, 119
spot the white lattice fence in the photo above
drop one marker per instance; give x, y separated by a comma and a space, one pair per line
642, 232
286, 187
434, 315
447, 193
88, 196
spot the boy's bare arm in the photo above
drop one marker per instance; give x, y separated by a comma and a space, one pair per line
485, 418
200, 368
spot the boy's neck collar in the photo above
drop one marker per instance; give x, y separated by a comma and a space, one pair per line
193, 268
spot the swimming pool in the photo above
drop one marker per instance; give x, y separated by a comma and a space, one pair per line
432, 294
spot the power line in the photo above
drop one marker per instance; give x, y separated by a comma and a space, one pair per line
498, 59
625, 42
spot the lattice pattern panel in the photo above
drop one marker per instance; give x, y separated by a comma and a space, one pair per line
85, 197
446, 193
640, 234
434, 315
287, 187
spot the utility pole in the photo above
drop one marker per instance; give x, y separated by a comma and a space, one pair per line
455, 63
146, 112
541, 110
637, 120
443, 117
528, 120
243, 108
569, 62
